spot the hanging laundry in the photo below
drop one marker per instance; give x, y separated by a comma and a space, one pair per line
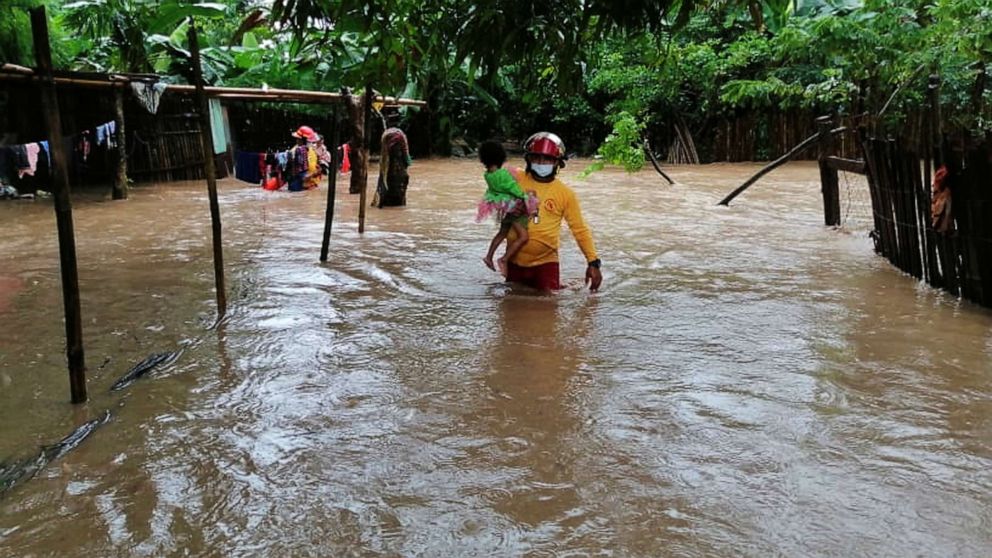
106, 134
217, 128
31, 151
246, 167
6, 164
44, 147
82, 148
101, 134
148, 94
111, 133
20, 156
345, 158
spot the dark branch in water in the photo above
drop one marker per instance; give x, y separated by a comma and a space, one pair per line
12, 473
777, 163
654, 161
145, 367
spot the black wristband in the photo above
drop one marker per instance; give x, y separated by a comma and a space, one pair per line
596, 263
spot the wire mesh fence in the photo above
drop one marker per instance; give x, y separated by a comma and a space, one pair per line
855, 203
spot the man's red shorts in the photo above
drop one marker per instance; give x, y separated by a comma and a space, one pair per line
543, 277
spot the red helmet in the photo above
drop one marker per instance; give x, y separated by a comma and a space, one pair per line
545, 143
305, 132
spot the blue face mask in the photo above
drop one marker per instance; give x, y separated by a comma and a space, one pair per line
543, 171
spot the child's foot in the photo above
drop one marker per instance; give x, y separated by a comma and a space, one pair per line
502, 266
489, 263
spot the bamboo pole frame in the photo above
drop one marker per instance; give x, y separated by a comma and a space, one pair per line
12, 72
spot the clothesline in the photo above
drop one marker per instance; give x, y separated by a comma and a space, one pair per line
24, 156
81, 79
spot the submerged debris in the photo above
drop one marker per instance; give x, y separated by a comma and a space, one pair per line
145, 367
13, 472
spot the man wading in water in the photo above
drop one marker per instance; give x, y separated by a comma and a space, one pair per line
536, 264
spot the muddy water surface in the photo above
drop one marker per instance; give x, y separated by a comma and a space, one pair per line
748, 382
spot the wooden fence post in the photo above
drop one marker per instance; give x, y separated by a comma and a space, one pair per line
332, 180
120, 179
63, 208
367, 117
359, 153
207, 140
830, 186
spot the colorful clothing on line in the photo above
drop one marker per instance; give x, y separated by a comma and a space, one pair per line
148, 94
31, 150
246, 167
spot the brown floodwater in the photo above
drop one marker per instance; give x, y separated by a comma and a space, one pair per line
747, 382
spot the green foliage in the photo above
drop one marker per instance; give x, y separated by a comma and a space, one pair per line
15, 31
622, 147
592, 70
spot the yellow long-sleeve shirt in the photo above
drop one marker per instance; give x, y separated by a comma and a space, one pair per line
558, 202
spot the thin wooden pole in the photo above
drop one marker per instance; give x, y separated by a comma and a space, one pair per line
332, 180
356, 136
207, 140
63, 209
775, 164
367, 107
120, 179
830, 186
933, 95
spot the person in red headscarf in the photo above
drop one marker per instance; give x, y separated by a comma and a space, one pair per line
300, 163
536, 263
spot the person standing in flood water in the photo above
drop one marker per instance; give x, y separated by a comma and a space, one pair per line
504, 199
299, 159
393, 164
536, 264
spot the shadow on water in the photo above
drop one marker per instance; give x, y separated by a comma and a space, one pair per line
535, 387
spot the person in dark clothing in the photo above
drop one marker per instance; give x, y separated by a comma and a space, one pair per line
393, 164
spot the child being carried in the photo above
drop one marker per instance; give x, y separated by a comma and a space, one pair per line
506, 201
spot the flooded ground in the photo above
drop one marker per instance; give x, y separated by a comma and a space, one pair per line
748, 382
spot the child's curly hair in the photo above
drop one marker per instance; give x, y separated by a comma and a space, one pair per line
491, 154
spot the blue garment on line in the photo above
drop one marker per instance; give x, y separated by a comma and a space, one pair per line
105, 134
44, 147
246, 167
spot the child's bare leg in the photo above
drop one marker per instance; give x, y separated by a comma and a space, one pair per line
513, 247
497, 240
